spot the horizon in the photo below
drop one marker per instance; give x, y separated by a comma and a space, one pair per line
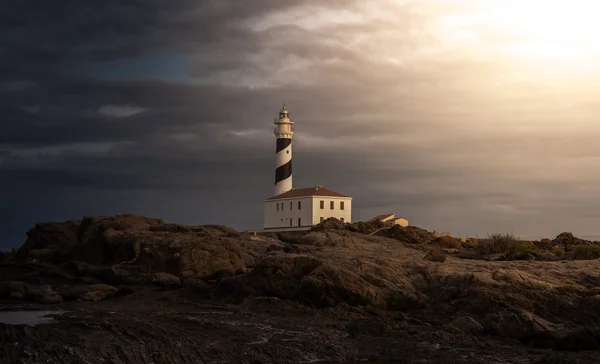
469, 117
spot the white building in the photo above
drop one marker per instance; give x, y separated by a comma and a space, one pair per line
302, 208
305, 207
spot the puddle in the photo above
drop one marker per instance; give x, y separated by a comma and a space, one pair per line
30, 318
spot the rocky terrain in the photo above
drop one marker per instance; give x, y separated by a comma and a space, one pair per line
131, 289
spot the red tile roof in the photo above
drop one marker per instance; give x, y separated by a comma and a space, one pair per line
307, 192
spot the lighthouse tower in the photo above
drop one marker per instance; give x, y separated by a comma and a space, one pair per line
284, 131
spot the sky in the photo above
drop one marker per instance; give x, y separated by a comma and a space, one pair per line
467, 116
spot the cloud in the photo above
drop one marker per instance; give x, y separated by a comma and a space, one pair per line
117, 111
409, 106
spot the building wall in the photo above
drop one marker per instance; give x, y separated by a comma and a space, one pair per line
326, 212
280, 219
401, 221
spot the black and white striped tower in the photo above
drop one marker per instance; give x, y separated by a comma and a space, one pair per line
284, 131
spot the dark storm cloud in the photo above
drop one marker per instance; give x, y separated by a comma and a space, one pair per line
444, 137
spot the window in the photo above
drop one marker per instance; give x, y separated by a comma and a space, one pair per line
277, 206
291, 206
331, 205
341, 205
290, 222
322, 218
342, 219
299, 222
282, 206
299, 205
322, 205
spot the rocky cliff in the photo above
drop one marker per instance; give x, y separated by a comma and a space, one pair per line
365, 285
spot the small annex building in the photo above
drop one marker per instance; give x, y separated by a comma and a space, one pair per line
390, 219
306, 207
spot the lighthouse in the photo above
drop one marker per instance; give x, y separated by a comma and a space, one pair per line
296, 209
284, 131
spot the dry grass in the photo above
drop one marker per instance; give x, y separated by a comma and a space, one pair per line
505, 243
559, 252
586, 252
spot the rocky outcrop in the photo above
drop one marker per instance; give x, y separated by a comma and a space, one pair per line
107, 244
15, 290
568, 242
541, 303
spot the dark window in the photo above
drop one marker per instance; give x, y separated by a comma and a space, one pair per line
299, 222
282, 206
322, 218
322, 205
341, 205
277, 206
291, 205
331, 205
299, 205
290, 222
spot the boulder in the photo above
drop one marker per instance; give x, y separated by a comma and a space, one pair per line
57, 241
21, 291
98, 292
196, 286
521, 256
13, 290
94, 292
166, 280
435, 255
568, 242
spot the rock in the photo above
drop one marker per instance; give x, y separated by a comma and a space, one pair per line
150, 244
98, 292
467, 325
546, 257
166, 280
196, 286
329, 224
94, 292
468, 254
13, 290
59, 238
521, 325
521, 256
446, 242
43, 294
496, 257
435, 255
568, 242
409, 234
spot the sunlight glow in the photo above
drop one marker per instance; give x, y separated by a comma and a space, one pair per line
553, 29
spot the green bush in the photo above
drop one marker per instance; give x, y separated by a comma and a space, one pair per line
559, 252
586, 252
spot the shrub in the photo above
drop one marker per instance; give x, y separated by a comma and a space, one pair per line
524, 247
586, 252
497, 243
559, 252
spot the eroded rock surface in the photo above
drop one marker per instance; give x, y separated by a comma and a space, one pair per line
373, 296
